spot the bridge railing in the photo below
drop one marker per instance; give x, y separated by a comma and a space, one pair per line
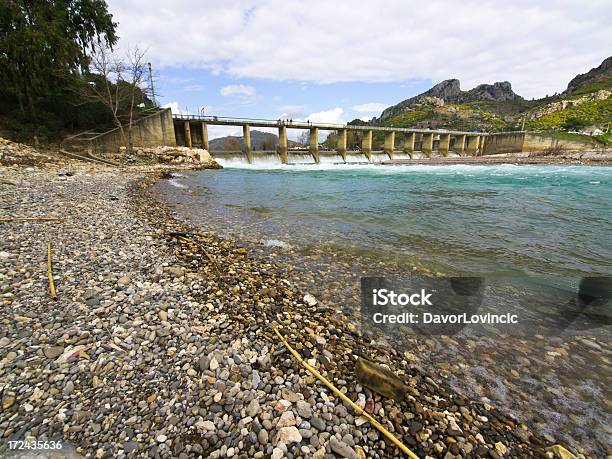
227, 120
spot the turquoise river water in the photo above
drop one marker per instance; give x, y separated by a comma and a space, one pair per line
460, 219
330, 224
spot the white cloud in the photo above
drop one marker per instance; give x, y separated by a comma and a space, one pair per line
292, 111
333, 116
194, 88
538, 46
240, 90
365, 119
176, 110
214, 132
371, 107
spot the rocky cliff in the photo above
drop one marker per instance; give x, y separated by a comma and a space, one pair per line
600, 76
449, 92
586, 103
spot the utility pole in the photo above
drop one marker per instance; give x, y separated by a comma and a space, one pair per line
151, 84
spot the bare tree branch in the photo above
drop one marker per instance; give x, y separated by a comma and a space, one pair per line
116, 82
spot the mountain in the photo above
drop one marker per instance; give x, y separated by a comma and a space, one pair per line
596, 78
587, 102
259, 141
449, 92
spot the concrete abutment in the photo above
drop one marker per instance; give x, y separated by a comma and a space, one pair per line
366, 145
282, 149
389, 144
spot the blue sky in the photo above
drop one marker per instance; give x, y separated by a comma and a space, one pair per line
336, 61
188, 90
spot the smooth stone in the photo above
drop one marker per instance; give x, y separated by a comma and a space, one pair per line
256, 379
53, 352
125, 280
342, 449
69, 388
130, 446
253, 408
317, 423
204, 363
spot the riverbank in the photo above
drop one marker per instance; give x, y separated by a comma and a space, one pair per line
591, 157
160, 343
302, 220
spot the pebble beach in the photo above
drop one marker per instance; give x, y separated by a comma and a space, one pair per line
161, 342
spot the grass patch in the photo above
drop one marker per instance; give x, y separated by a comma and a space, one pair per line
602, 140
569, 136
606, 139
409, 118
592, 112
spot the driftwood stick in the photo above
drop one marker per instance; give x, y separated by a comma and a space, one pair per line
23, 219
52, 291
360, 411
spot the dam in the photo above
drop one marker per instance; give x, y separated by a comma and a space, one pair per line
352, 143
395, 143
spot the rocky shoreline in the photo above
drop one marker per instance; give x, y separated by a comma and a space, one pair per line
161, 345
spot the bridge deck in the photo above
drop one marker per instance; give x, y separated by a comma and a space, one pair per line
227, 121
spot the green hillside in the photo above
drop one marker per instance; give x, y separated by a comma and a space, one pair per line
494, 116
594, 87
462, 117
495, 108
596, 112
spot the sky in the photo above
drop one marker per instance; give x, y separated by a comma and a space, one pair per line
340, 60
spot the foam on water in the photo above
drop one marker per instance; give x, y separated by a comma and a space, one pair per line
305, 162
177, 184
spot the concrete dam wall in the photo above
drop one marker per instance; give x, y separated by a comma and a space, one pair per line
516, 142
159, 127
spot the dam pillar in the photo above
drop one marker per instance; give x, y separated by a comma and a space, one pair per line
389, 143
427, 146
481, 145
366, 145
205, 144
341, 147
409, 145
187, 134
471, 146
459, 146
282, 150
314, 144
246, 135
444, 144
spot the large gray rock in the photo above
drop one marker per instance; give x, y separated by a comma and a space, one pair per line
342, 449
